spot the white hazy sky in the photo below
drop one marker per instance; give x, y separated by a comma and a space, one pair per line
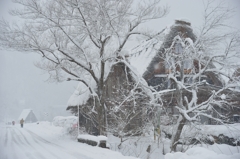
22, 85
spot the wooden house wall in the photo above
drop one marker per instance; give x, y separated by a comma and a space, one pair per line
118, 86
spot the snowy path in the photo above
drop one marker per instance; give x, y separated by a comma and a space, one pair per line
22, 143
45, 141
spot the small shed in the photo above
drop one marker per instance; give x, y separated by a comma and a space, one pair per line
28, 116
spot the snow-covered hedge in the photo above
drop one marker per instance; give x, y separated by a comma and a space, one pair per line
64, 121
68, 123
200, 153
221, 134
100, 141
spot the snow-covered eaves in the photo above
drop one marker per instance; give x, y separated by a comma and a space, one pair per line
82, 93
80, 96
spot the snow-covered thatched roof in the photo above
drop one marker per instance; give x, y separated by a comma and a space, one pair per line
144, 56
150, 53
180, 26
24, 114
82, 93
142, 59
141, 56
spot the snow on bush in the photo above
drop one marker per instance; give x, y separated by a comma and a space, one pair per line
100, 141
68, 123
64, 121
202, 132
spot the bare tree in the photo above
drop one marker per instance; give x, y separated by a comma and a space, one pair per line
196, 70
79, 40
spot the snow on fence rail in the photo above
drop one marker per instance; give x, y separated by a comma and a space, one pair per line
99, 141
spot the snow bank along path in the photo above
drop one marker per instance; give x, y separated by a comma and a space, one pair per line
200, 153
44, 141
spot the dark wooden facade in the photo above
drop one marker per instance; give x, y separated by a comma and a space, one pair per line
126, 104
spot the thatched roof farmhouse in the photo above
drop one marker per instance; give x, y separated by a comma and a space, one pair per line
28, 116
118, 92
149, 60
156, 73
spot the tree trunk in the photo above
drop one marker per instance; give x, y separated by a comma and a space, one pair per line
102, 122
101, 109
101, 117
178, 132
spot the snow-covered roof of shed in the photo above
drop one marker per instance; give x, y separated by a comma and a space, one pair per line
24, 114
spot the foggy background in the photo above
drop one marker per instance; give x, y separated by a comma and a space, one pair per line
24, 86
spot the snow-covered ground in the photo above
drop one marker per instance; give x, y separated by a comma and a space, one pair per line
46, 141
137, 148
231, 130
201, 153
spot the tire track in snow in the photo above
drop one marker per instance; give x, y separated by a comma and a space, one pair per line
10, 144
18, 138
20, 144
16, 145
23, 137
42, 139
42, 143
28, 146
4, 142
13, 133
72, 153
36, 146
24, 149
6, 138
50, 143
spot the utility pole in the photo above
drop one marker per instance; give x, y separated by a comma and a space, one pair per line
78, 120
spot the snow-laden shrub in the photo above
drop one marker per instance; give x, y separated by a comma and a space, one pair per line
63, 121
208, 134
68, 123
100, 141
